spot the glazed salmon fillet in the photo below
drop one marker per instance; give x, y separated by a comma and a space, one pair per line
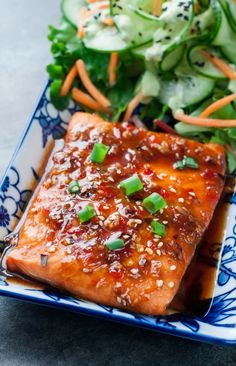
128, 254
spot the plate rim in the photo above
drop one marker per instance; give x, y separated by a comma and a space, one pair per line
94, 312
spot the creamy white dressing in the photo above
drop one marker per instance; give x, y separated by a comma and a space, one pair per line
126, 27
150, 85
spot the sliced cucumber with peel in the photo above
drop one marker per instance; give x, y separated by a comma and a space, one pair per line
71, 10
188, 88
201, 65
185, 91
134, 28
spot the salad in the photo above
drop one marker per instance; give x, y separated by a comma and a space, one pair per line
171, 63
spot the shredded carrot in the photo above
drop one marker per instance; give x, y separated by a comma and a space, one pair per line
157, 7
82, 18
69, 81
196, 7
86, 100
90, 87
108, 21
217, 105
132, 105
112, 68
206, 122
220, 64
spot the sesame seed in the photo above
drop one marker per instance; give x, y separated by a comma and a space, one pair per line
110, 179
171, 284
140, 248
181, 200
173, 178
160, 244
192, 194
101, 217
106, 207
126, 236
134, 270
85, 270
52, 249
165, 222
130, 263
173, 267
173, 190
158, 252
149, 251
149, 243
159, 283
94, 227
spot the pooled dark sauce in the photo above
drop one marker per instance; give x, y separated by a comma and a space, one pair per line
197, 287
198, 284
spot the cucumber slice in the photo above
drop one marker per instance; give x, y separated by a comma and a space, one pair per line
172, 59
229, 51
224, 34
201, 65
229, 7
140, 51
134, 29
144, 8
187, 89
105, 39
71, 10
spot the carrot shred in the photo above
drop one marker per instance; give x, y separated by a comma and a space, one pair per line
220, 64
86, 100
218, 105
108, 21
90, 87
206, 122
196, 8
132, 105
157, 7
112, 68
82, 18
68, 81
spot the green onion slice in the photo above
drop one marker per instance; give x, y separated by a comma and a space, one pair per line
131, 185
86, 214
99, 153
187, 162
74, 187
154, 203
157, 228
115, 244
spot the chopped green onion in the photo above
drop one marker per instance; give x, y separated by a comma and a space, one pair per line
74, 187
158, 228
115, 244
99, 153
187, 162
154, 202
190, 162
179, 165
86, 214
131, 185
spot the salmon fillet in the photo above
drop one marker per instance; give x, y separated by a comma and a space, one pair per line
143, 276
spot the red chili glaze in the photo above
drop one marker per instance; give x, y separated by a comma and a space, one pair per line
144, 275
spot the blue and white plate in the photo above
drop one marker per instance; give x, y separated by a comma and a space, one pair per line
22, 175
